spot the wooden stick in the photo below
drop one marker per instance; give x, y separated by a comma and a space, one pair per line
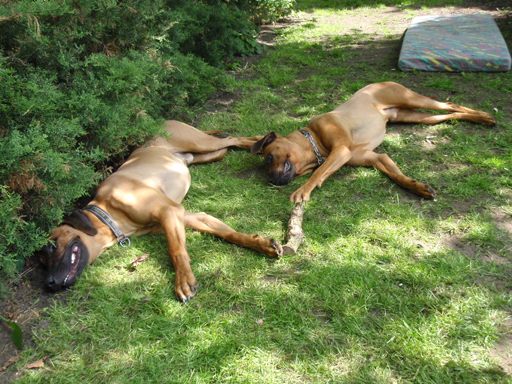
295, 236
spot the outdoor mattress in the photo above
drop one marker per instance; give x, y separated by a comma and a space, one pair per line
458, 43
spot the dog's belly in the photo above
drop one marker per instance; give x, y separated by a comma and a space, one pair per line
135, 192
175, 182
171, 178
366, 123
157, 169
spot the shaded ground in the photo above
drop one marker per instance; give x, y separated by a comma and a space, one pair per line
27, 301
25, 305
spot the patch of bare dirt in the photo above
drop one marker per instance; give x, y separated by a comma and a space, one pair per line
24, 305
252, 173
473, 251
502, 351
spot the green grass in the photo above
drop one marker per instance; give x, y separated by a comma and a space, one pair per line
388, 288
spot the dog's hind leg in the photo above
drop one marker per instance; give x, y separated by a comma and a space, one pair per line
393, 95
383, 163
186, 138
205, 223
208, 157
406, 115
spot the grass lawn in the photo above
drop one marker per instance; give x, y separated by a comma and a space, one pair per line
388, 288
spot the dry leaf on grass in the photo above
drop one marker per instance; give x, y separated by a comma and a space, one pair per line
38, 364
9, 362
139, 260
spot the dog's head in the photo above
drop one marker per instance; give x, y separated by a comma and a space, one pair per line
281, 157
67, 255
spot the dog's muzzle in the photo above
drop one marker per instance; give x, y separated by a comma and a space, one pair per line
69, 268
279, 178
284, 177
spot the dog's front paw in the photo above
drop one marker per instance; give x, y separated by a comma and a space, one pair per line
275, 249
489, 120
424, 190
269, 247
300, 195
185, 286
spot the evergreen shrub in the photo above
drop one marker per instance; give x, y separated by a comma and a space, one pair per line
84, 81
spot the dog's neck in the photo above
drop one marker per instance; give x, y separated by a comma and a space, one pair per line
98, 243
308, 158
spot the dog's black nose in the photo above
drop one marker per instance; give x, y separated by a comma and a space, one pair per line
52, 284
280, 178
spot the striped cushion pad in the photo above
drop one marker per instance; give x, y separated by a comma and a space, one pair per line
454, 43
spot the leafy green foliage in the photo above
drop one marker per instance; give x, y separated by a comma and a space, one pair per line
265, 10
83, 82
17, 335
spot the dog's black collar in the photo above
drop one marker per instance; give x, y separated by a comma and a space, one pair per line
317, 152
109, 222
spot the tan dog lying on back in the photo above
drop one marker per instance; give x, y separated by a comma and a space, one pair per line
144, 197
350, 133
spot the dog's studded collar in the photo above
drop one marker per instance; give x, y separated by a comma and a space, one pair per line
317, 152
109, 222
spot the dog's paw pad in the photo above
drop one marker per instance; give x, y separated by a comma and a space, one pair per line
277, 249
428, 192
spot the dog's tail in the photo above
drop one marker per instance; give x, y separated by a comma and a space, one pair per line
212, 132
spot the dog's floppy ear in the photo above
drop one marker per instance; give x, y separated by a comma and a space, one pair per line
259, 146
44, 256
78, 220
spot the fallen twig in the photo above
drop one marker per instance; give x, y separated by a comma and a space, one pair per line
295, 236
